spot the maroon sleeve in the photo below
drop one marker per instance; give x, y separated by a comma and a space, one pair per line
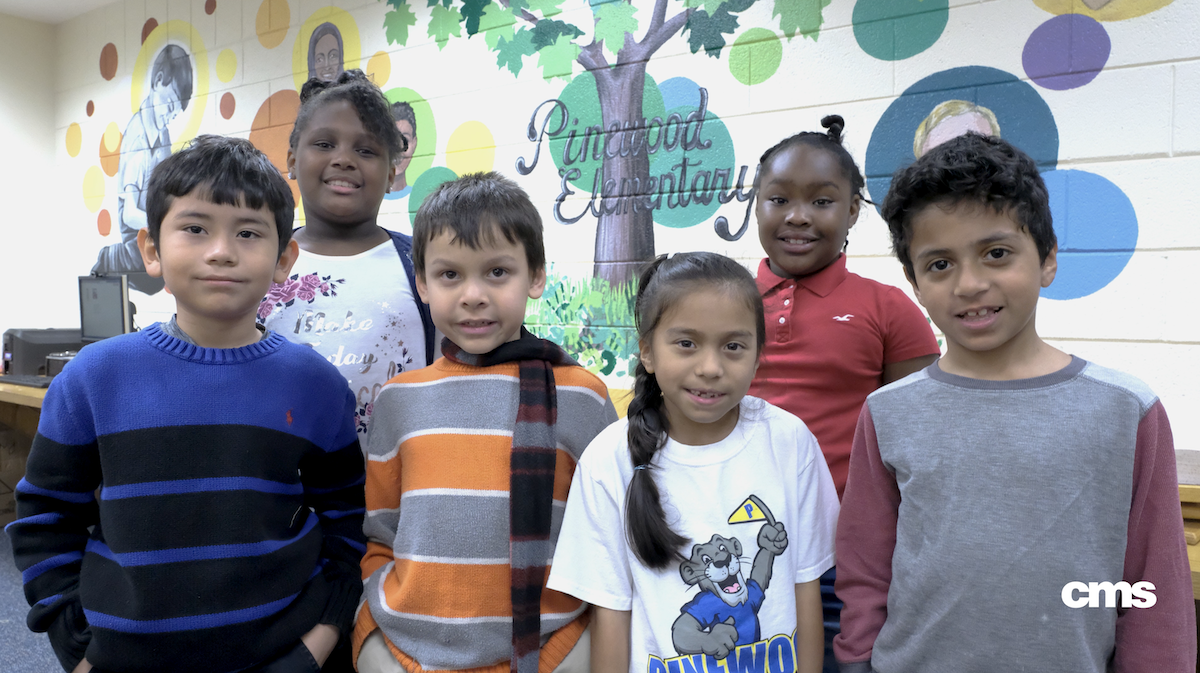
866, 538
908, 332
1162, 637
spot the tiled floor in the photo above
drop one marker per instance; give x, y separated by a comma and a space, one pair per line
21, 650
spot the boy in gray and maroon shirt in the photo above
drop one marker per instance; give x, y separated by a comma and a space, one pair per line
984, 484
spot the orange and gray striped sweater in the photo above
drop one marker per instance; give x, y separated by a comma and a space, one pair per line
436, 573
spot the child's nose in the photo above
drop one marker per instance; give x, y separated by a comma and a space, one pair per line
709, 364
971, 281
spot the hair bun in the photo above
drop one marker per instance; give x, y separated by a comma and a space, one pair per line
313, 87
835, 124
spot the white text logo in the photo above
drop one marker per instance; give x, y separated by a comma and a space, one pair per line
1080, 595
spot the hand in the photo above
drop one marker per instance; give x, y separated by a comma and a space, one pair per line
772, 538
82, 667
320, 642
721, 639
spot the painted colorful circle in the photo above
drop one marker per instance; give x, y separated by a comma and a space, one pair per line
104, 222
688, 179
93, 188
271, 128
74, 139
583, 136
1111, 10
893, 30
110, 150
1097, 232
226, 65
148, 28
210, 6
91, 108
228, 105
1022, 114
1066, 52
425, 185
471, 149
379, 68
271, 22
425, 132
108, 61
755, 56
186, 36
347, 29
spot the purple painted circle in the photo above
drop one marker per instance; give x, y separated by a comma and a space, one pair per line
1066, 52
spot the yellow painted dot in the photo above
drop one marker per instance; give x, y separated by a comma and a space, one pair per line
74, 139
112, 137
471, 149
93, 188
1112, 10
226, 65
271, 23
379, 68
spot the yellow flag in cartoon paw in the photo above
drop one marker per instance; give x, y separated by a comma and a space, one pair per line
750, 510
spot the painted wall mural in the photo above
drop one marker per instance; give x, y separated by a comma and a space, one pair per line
636, 125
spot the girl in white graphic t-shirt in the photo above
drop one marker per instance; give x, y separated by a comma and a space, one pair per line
699, 526
351, 295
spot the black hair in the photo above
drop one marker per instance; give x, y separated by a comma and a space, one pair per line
662, 284
404, 111
354, 87
175, 67
474, 208
830, 141
225, 171
971, 168
319, 32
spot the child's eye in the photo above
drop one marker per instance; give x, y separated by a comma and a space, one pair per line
248, 234
735, 346
939, 265
685, 343
323, 144
498, 272
449, 275
997, 253
194, 229
777, 200
822, 202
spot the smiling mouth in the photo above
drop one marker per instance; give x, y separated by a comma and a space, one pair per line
981, 312
705, 394
344, 184
730, 585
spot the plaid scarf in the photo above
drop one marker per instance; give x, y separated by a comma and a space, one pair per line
531, 480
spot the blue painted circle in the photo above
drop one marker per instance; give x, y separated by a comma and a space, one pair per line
1025, 119
1097, 232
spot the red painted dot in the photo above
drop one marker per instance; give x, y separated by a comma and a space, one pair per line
91, 108
108, 61
148, 28
210, 6
104, 222
228, 104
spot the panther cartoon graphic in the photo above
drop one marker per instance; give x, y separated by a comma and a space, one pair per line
725, 612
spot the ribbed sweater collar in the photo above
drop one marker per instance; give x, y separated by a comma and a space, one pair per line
156, 337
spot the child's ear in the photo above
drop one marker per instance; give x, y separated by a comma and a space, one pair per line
422, 288
913, 281
149, 252
1050, 267
855, 208
539, 284
291, 165
283, 267
646, 356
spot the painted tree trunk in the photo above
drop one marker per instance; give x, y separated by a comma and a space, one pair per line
625, 232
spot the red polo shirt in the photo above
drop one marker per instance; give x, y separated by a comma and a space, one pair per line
828, 337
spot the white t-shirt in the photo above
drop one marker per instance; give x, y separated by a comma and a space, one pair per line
358, 311
722, 497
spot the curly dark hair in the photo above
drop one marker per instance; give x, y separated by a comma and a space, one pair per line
368, 101
973, 168
830, 141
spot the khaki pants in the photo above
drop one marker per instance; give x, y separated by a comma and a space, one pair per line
375, 657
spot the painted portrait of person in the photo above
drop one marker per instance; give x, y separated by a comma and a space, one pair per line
951, 119
147, 141
325, 53
406, 122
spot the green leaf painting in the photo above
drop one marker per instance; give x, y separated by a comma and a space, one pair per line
558, 59
707, 31
510, 52
546, 7
613, 21
496, 22
397, 22
547, 32
472, 11
803, 16
443, 23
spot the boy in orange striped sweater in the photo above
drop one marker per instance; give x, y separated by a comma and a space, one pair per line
470, 459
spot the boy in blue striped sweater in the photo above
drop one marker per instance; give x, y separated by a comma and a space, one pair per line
227, 529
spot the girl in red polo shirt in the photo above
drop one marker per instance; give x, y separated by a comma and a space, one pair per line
833, 337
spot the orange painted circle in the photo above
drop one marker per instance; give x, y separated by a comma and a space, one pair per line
210, 6
110, 150
91, 108
108, 61
228, 105
104, 222
271, 128
148, 28
272, 22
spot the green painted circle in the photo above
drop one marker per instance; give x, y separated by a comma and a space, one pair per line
424, 186
755, 56
583, 110
893, 30
720, 155
426, 131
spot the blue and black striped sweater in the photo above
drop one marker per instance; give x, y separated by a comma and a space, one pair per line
229, 514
